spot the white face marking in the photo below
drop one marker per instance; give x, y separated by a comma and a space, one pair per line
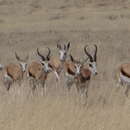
63, 55
46, 66
23, 65
93, 68
78, 68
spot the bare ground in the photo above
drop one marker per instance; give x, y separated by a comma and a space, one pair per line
26, 25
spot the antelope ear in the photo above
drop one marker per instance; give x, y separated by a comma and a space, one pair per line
68, 46
48, 55
59, 46
64, 47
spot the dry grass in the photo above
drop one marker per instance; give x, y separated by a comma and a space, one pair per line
26, 25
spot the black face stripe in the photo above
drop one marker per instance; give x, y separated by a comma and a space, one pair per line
50, 65
65, 53
90, 65
70, 72
122, 71
43, 63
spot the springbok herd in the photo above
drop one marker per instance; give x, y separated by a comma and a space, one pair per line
77, 72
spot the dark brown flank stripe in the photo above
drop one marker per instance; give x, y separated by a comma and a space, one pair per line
125, 74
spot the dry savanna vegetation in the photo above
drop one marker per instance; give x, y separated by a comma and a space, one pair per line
26, 25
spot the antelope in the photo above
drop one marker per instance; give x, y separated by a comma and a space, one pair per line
39, 70
58, 63
72, 70
14, 72
80, 74
83, 79
124, 76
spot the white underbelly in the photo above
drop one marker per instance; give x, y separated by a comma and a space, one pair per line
7, 78
124, 79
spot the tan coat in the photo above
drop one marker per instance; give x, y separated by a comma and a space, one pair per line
56, 64
125, 69
14, 71
35, 69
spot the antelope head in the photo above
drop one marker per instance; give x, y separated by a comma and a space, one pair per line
44, 60
22, 62
63, 51
92, 63
77, 65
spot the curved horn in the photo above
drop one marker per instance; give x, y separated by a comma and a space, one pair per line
68, 46
17, 57
95, 54
43, 58
85, 50
71, 58
48, 55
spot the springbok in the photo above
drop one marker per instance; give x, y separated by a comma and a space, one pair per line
124, 76
39, 70
80, 74
58, 63
72, 69
14, 72
82, 80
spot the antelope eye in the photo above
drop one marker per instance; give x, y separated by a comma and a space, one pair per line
50, 65
65, 53
42, 63
90, 65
